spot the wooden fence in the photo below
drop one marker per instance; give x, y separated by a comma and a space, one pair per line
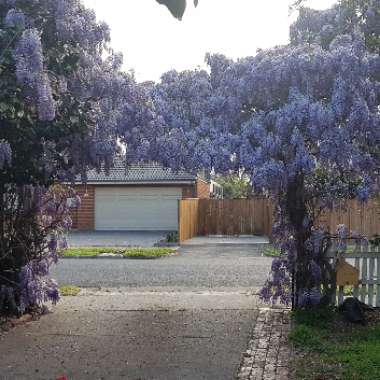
367, 260
235, 217
187, 219
255, 217
224, 217
361, 217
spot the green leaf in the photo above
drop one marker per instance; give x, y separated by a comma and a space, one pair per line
3, 107
176, 7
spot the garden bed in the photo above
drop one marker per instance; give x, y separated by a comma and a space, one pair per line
329, 348
129, 253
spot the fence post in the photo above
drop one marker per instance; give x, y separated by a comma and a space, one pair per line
378, 278
179, 222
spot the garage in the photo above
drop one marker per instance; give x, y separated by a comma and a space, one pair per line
137, 208
141, 197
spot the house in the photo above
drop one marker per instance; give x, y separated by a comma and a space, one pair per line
138, 198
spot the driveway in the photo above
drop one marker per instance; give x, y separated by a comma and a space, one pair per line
187, 317
110, 337
115, 238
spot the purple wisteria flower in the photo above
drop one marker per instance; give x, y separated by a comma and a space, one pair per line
15, 19
5, 154
30, 72
45, 103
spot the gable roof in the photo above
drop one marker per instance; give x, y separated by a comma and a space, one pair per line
147, 173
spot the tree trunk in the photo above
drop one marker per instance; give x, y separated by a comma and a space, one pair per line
299, 218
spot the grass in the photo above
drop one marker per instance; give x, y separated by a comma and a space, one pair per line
69, 290
272, 252
333, 351
90, 251
130, 252
148, 252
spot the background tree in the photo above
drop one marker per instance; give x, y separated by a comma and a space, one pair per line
322, 26
235, 186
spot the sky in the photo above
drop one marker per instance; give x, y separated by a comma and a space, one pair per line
153, 41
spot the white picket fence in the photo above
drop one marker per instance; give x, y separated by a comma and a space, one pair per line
367, 260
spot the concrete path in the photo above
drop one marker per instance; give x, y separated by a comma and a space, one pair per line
227, 240
115, 238
187, 317
114, 335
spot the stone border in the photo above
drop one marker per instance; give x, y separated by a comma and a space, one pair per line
268, 353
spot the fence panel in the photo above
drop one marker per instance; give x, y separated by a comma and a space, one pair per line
255, 216
360, 217
235, 216
188, 219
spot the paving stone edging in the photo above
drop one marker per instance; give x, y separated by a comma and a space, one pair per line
268, 353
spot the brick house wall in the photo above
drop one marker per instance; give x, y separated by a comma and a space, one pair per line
188, 191
200, 189
84, 217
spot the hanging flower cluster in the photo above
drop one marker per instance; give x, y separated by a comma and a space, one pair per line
302, 120
36, 236
64, 103
5, 154
322, 26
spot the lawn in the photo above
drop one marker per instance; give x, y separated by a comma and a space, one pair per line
148, 252
275, 252
69, 290
272, 252
129, 252
329, 348
89, 251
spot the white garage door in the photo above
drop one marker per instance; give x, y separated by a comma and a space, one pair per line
137, 208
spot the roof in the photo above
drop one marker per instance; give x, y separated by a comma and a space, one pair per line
139, 174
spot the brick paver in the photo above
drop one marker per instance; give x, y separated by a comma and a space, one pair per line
268, 353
